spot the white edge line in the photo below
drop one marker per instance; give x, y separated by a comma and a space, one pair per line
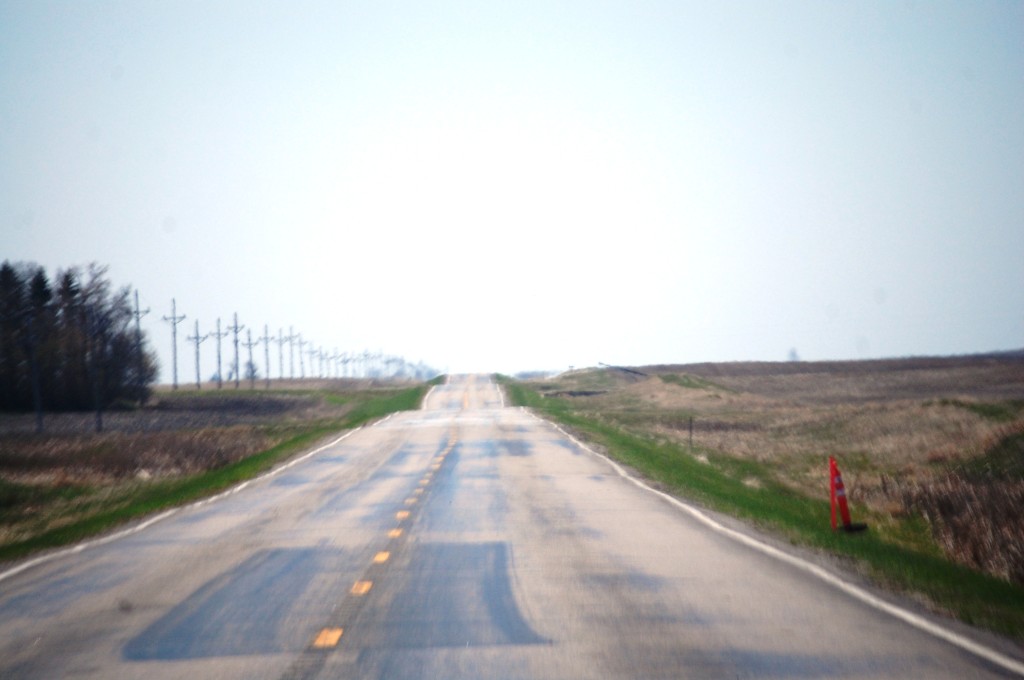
854, 591
426, 397
501, 395
164, 515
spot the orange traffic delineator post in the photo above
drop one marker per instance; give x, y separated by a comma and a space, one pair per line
838, 498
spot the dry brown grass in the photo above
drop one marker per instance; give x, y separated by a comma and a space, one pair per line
894, 426
174, 435
978, 522
50, 479
111, 456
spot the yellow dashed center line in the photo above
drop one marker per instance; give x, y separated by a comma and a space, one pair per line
328, 637
361, 587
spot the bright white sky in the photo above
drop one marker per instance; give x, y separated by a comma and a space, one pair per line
509, 186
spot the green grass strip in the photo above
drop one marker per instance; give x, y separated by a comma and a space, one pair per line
158, 496
971, 596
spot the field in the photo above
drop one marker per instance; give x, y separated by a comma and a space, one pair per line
931, 451
71, 481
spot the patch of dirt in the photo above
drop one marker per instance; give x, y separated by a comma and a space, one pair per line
575, 393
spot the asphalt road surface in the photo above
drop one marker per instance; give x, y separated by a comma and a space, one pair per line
465, 540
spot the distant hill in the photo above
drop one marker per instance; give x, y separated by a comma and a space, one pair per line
755, 368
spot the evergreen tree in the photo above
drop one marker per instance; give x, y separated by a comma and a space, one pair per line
70, 349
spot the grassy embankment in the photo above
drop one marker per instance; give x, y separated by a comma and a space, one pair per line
83, 510
898, 552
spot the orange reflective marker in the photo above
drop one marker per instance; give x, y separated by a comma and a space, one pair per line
402, 514
382, 557
837, 491
361, 587
394, 533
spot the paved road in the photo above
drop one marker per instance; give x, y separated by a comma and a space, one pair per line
465, 540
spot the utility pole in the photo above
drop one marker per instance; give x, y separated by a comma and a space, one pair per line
174, 320
280, 353
235, 330
250, 368
302, 366
97, 326
138, 345
266, 352
291, 352
219, 336
198, 339
311, 352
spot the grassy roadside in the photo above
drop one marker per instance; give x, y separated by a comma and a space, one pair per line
145, 498
899, 554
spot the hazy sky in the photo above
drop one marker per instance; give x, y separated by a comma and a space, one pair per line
505, 186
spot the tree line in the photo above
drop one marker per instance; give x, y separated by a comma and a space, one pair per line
70, 343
